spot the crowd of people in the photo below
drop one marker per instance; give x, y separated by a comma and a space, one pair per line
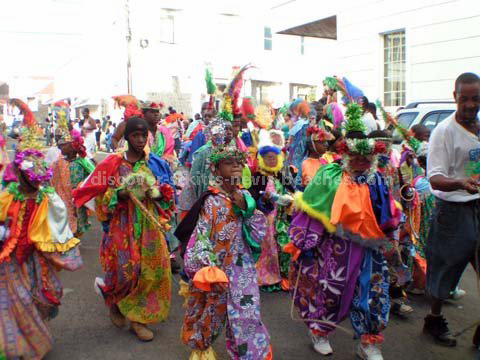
312, 198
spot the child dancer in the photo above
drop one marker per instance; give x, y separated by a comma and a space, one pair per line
69, 170
35, 242
271, 188
220, 263
134, 253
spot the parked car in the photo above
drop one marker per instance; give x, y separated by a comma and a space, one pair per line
425, 113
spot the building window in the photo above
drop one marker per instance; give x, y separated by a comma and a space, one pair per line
306, 92
394, 68
167, 27
302, 45
267, 38
265, 91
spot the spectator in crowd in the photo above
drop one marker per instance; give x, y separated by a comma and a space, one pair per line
98, 133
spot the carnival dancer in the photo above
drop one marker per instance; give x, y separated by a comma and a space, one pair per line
219, 129
195, 135
271, 189
226, 232
69, 170
336, 239
317, 146
297, 142
138, 193
36, 242
217, 132
160, 140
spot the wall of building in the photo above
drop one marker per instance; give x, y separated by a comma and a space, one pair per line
442, 40
220, 41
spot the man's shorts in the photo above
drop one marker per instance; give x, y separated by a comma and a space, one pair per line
451, 244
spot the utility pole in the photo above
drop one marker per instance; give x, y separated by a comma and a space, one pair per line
129, 49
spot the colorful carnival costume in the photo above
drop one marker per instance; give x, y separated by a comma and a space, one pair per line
317, 137
69, 172
220, 264
270, 189
134, 252
36, 242
337, 235
300, 111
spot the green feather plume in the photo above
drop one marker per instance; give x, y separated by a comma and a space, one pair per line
354, 118
211, 87
331, 82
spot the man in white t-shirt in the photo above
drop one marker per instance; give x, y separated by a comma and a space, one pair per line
367, 117
89, 127
453, 169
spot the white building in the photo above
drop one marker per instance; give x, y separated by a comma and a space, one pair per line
172, 42
401, 51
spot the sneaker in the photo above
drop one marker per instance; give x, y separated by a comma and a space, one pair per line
369, 352
400, 308
437, 327
457, 294
322, 345
98, 284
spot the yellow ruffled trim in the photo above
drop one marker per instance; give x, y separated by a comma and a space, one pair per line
208, 354
300, 204
268, 169
57, 247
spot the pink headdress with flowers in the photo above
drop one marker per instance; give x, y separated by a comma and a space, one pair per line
28, 158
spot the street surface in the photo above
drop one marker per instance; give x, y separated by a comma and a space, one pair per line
83, 331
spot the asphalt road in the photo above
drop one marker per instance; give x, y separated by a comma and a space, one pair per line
82, 330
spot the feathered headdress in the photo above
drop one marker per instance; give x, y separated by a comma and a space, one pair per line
263, 116
354, 115
300, 108
61, 109
406, 134
28, 158
131, 104
331, 83
224, 152
358, 143
30, 131
248, 110
232, 94
318, 134
152, 105
211, 88
335, 115
28, 117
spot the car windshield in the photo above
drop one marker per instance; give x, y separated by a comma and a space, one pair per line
406, 119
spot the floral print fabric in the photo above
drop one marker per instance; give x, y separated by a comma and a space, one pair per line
135, 259
218, 241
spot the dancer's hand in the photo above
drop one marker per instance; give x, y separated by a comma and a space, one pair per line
239, 200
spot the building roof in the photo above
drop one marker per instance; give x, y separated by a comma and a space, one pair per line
324, 28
